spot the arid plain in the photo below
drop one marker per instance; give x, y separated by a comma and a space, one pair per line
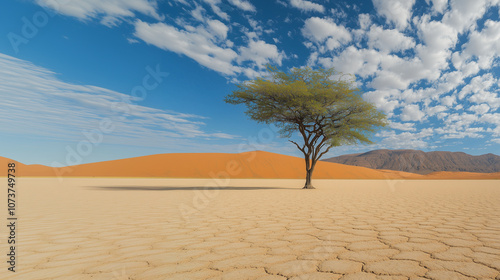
109, 228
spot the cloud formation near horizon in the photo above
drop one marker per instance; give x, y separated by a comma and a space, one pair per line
37, 103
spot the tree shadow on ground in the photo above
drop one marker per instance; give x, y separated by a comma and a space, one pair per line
173, 188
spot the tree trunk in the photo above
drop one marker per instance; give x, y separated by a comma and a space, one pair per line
308, 184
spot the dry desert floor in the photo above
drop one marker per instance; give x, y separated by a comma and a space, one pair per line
254, 229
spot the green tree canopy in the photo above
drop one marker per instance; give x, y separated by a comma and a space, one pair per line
323, 106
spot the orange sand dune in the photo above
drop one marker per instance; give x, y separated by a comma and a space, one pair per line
26, 170
4, 165
257, 164
4, 161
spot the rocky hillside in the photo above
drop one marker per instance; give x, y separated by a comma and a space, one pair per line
422, 162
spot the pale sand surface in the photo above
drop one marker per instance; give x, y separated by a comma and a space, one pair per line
255, 229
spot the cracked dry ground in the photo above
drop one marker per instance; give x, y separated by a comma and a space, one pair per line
345, 229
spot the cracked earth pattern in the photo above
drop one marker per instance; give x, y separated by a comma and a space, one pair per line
346, 229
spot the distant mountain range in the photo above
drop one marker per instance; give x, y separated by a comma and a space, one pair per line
420, 162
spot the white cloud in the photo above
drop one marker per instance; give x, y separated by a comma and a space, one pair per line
399, 72
261, 53
439, 38
479, 86
307, 6
485, 45
403, 126
363, 62
407, 69
198, 13
489, 97
387, 80
208, 44
479, 109
431, 111
198, 44
218, 28
390, 71
388, 40
109, 12
395, 11
184, 2
438, 5
338, 13
45, 106
405, 140
491, 119
364, 21
132, 41
383, 99
324, 31
448, 100
244, 5
463, 64
470, 132
449, 81
464, 13
458, 126
214, 4
410, 96
412, 113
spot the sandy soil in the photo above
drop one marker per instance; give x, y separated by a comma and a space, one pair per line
255, 229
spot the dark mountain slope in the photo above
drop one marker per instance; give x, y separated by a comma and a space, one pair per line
422, 162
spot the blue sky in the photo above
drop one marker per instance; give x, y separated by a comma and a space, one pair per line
90, 80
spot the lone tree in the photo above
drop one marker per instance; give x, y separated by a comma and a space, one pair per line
325, 110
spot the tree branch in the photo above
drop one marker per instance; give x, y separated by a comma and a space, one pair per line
318, 149
326, 151
306, 137
301, 149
